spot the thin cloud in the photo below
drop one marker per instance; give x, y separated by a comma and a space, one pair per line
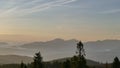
32, 6
48, 5
111, 11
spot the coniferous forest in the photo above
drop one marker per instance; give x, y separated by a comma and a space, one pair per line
77, 61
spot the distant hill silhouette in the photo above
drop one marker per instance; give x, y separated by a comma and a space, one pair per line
3, 43
89, 62
14, 59
56, 42
102, 51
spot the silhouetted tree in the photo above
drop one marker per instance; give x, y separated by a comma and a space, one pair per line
67, 64
80, 49
74, 62
22, 65
81, 55
38, 61
116, 63
106, 65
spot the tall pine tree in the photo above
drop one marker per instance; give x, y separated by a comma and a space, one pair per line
38, 61
116, 63
22, 65
81, 55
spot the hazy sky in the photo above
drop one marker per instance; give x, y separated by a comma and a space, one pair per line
33, 20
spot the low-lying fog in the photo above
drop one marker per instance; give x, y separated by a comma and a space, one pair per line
102, 51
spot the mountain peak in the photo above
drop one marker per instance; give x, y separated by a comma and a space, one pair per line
57, 40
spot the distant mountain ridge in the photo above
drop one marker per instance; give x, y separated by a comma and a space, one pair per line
50, 43
14, 59
102, 51
89, 62
3, 43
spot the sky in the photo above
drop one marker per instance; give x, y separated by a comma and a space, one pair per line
41, 20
